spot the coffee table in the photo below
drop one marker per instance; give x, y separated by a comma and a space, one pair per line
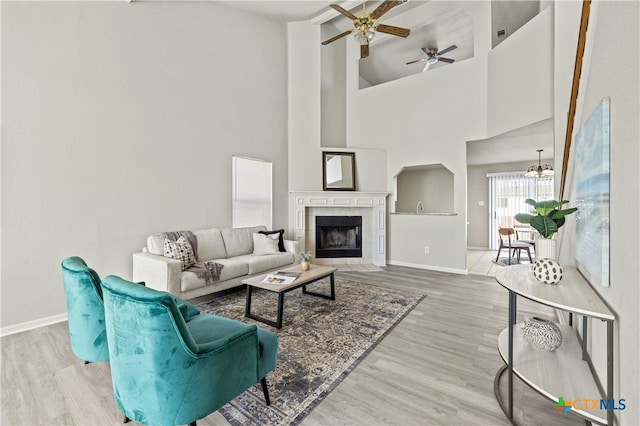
315, 273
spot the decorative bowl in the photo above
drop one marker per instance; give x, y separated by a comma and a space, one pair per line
542, 333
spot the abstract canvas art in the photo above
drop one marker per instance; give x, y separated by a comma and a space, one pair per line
592, 189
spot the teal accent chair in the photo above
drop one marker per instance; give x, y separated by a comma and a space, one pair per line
85, 309
169, 368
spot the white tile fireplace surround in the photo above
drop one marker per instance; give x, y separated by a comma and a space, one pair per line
372, 206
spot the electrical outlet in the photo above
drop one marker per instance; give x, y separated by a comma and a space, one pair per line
426, 250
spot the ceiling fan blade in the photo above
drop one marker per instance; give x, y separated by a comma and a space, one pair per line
343, 11
364, 51
334, 38
448, 49
447, 60
417, 60
386, 6
390, 29
428, 52
426, 67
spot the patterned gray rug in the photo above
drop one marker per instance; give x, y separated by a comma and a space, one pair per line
504, 261
321, 342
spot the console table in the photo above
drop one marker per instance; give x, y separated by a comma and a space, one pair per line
565, 372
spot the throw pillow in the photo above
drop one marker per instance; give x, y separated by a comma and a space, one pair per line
279, 235
264, 244
180, 250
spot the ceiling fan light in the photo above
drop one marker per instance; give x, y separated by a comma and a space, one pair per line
364, 36
432, 60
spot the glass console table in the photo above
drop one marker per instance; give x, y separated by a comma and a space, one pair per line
567, 371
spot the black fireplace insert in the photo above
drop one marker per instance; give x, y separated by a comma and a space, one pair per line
338, 236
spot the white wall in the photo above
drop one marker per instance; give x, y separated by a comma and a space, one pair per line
610, 71
333, 89
521, 76
426, 119
119, 120
306, 120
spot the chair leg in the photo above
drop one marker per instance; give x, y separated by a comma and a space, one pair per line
265, 390
126, 419
529, 254
498, 256
86, 362
192, 424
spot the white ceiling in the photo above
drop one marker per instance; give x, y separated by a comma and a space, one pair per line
286, 10
518, 145
388, 58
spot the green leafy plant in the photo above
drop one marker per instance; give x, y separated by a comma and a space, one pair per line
304, 256
548, 219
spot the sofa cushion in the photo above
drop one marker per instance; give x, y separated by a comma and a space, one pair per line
155, 244
232, 269
180, 250
239, 241
264, 245
279, 235
210, 244
258, 264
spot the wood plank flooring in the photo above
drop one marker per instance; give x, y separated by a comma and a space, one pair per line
437, 366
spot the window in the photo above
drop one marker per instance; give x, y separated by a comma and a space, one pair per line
508, 191
251, 192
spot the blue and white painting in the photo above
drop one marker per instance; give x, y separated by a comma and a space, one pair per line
592, 190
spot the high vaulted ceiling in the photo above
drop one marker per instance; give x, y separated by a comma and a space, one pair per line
387, 61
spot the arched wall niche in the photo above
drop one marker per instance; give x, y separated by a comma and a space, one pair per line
424, 189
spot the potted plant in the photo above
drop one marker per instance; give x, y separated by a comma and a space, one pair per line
547, 220
304, 258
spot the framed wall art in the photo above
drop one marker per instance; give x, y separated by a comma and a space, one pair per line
592, 189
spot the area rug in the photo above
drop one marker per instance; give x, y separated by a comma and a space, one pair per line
504, 261
321, 342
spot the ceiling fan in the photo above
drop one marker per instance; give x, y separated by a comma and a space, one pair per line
365, 25
433, 56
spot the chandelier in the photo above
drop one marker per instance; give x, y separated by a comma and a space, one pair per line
539, 170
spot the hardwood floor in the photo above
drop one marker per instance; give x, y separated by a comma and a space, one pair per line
437, 366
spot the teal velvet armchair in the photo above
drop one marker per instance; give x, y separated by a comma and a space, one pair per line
85, 310
170, 367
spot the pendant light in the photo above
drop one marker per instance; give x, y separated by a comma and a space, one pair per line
539, 170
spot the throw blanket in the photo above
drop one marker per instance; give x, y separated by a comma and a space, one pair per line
209, 270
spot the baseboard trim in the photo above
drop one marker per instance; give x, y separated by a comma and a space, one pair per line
30, 325
429, 267
478, 248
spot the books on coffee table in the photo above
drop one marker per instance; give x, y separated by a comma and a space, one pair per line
281, 278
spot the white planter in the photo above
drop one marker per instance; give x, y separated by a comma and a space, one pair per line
546, 249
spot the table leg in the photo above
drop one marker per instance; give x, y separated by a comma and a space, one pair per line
333, 287
331, 296
247, 307
280, 309
512, 321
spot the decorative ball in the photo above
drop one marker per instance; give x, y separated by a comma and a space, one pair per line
547, 271
542, 333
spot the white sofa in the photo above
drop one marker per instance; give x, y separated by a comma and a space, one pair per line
231, 247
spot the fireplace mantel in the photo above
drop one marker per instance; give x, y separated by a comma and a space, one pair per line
301, 202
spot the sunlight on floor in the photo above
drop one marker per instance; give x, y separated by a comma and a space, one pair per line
480, 262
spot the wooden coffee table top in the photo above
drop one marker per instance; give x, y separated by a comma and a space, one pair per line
315, 272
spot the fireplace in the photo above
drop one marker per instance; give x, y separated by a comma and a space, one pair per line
338, 236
